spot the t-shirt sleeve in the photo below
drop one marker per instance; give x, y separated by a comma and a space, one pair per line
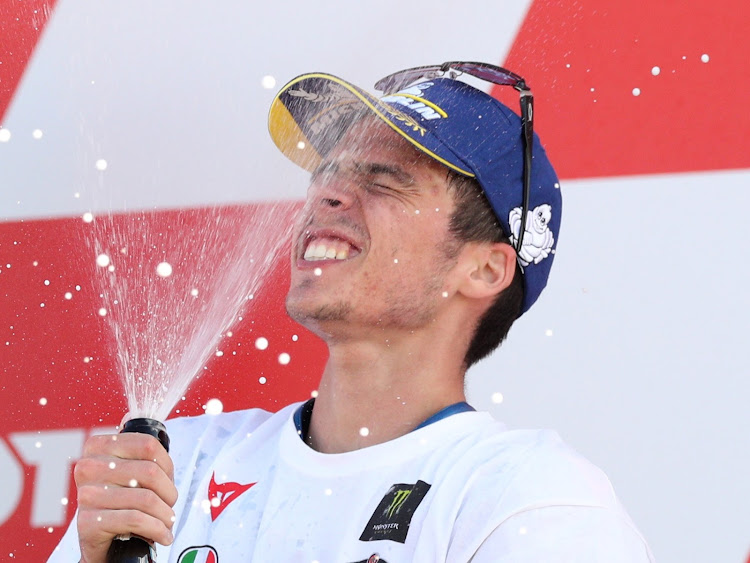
580, 534
67, 550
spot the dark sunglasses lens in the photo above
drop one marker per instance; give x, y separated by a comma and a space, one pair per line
490, 74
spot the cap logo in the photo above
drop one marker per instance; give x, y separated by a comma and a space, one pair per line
314, 97
412, 99
537, 239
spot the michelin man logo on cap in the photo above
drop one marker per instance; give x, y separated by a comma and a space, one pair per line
538, 239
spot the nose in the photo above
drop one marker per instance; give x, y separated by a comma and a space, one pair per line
331, 191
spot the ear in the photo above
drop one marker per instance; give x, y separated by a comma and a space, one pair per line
488, 270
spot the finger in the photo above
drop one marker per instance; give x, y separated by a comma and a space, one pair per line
128, 473
97, 527
105, 497
130, 445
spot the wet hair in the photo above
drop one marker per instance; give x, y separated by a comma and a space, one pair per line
474, 221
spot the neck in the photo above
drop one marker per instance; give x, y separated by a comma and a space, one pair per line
378, 389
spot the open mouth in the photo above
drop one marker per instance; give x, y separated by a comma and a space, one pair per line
319, 248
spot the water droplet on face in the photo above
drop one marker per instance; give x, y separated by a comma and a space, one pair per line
101, 164
395, 260
261, 343
214, 406
112, 465
268, 82
284, 358
317, 271
164, 269
636, 91
133, 483
314, 393
497, 398
364, 431
704, 58
655, 71
445, 294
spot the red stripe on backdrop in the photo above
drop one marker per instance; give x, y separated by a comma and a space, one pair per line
584, 59
21, 23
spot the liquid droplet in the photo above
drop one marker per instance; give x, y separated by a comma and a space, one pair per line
164, 269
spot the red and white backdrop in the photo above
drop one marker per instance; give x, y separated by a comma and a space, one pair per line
635, 352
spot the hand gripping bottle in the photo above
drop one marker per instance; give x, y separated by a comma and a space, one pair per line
135, 549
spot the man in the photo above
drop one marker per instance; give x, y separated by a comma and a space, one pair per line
430, 225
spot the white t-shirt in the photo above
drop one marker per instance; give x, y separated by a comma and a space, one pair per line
461, 489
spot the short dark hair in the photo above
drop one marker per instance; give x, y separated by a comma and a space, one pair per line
474, 221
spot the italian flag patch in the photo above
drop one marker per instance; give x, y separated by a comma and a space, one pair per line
199, 554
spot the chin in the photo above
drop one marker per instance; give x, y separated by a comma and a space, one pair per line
307, 313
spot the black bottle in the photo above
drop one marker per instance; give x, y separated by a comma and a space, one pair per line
135, 549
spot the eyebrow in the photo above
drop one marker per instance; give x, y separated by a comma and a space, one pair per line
376, 169
369, 169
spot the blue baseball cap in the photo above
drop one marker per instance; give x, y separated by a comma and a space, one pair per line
458, 125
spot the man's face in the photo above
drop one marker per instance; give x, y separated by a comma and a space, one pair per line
372, 246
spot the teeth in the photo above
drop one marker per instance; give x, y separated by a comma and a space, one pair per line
327, 250
319, 251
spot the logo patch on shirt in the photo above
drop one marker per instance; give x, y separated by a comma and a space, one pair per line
199, 554
222, 494
392, 517
374, 558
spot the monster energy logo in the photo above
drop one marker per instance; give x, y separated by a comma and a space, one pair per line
397, 502
393, 515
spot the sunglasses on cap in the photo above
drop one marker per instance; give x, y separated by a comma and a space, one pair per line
489, 73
